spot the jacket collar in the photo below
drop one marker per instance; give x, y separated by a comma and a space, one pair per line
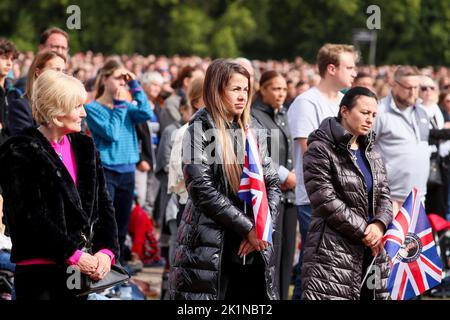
9, 89
258, 104
84, 193
331, 131
390, 101
203, 116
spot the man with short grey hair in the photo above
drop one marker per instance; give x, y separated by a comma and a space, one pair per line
402, 130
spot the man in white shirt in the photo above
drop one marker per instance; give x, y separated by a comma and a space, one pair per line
336, 63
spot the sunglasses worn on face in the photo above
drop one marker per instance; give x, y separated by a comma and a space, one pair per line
425, 88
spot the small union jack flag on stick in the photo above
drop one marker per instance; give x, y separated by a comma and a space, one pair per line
415, 263
252, 189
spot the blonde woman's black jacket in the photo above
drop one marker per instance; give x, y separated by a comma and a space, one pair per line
46, 214
333, 257
211, 210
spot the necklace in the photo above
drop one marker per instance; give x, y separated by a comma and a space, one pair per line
58, 146
354, 153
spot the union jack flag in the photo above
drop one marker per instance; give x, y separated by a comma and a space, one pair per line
252, 188
415, 263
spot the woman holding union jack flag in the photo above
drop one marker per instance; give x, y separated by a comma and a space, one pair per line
346, 183
223, 248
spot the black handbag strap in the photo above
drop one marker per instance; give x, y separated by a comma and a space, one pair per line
433, 122
435, 126
90, 236
91, 221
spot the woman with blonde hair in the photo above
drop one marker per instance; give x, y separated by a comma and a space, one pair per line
59, 171
216, 230
19, 115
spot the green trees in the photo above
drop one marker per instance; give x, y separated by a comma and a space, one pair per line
412, 31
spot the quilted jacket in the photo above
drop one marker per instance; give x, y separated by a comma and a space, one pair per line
333, 256
213, 210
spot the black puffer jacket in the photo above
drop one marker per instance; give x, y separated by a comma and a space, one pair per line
212, 211
333, 257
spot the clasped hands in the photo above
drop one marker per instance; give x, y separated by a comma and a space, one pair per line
251, 243
95, 266
373, 237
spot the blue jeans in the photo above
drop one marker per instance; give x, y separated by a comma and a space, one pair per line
121, 190
304, 219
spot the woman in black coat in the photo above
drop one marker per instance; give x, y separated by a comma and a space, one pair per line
54, 189
217, 230
346, 183
270, 112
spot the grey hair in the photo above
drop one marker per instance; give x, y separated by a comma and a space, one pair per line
152, 77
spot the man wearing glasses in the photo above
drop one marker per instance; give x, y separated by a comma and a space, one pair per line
55, 39
402, 130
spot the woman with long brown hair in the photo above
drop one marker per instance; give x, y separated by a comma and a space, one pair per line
216, 232
19, 115
111, 120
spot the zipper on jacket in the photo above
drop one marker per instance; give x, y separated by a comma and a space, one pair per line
220, 265
373, 181
373, 193
353, 157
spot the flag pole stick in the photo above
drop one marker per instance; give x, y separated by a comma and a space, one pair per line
367, 272
245, 213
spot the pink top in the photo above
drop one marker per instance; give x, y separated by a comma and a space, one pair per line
64, 151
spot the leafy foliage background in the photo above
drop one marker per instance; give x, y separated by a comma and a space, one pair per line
412, 31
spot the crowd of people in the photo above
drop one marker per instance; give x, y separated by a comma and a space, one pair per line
109, 148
